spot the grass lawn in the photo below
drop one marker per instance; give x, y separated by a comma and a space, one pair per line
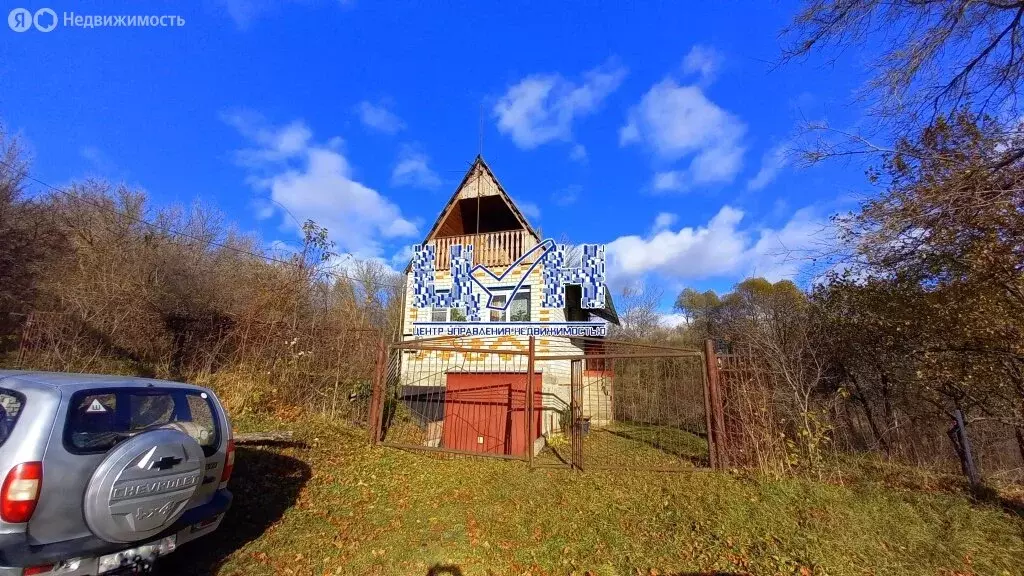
633, 445
331, 505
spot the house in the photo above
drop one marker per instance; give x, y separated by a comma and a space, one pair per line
475, 401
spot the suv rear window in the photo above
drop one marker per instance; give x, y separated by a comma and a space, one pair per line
11, 404
99, 419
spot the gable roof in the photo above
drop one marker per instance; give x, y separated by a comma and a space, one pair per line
481, 167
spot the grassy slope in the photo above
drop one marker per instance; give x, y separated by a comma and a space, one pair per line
338, 507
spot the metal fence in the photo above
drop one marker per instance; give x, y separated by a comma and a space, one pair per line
582, 403
758, 420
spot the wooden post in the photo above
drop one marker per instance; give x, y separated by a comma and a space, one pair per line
708, 418
376, 419
717, 409
529, 403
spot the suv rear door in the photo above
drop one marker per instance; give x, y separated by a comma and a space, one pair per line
92, 420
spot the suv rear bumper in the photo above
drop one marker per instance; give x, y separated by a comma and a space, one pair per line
16, 552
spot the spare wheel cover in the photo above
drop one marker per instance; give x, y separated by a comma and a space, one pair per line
143, 485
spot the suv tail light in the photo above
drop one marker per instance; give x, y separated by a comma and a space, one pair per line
20, 492
229, 464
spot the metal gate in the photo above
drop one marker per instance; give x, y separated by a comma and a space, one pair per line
580, 403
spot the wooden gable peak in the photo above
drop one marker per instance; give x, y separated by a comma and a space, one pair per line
479, 181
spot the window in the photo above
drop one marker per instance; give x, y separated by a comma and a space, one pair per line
150, 410
519, 310
446, 314
499, 302
99, 419
11, 404
439, 314
516, 311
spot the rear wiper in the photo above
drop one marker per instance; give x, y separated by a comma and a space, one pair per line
94, 439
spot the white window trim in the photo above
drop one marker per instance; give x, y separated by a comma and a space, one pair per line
524, 292
485, 312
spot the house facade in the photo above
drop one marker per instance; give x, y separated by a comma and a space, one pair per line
472, 401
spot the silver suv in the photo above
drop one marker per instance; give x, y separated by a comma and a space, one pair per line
103, 474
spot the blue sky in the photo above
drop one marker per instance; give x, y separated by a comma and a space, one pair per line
656, 129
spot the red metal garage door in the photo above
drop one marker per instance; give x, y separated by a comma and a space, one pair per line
485, 412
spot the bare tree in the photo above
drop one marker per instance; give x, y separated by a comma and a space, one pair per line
934, 57
638, 317
27, 239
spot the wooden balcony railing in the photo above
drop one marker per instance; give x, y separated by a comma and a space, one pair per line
490, 249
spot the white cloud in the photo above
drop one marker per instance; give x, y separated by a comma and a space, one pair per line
629, 134
373, 270
283, 249
541, 108
245, 12
529, 209
401, 259
99, 161
717, 164
673, 320
671, 180
721, 248
772, 163
702, 60
413, 169
578, 153
93, 154
783, 253
378, 117
712, 250
274, 144
664, 220
567, 196
313, 180
678, 121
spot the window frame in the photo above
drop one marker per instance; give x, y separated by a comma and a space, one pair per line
176, 394
506, 291
502, 314
447, 311
505, 315
524, 295
21, 409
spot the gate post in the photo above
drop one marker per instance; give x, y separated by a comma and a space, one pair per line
576, 412
529, 403
708, 418
716, 414
376, 419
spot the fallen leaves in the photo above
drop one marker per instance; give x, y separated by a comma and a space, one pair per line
384, 512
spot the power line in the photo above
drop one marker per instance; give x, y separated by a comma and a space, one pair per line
179, 233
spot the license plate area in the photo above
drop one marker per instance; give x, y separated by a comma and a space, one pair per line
137, 559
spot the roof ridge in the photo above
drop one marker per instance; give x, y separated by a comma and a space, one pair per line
480, 161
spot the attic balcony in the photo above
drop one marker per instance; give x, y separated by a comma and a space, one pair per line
489, 248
